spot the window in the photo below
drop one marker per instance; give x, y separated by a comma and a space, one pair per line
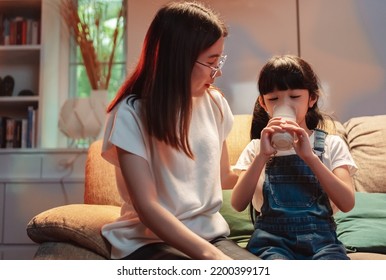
101, 16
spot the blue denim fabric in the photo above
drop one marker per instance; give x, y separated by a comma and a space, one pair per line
296, 217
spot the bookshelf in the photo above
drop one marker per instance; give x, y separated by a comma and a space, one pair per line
20, 72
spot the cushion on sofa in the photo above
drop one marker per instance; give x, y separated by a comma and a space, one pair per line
100, 184
240, 223
363, 229
367, 140
77, 224
239, 136
332, 126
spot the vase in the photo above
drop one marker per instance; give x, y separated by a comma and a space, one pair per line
83, 118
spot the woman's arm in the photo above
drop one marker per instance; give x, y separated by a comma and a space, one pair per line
143, 194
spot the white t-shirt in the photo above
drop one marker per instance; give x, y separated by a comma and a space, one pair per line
336, 154
189, 189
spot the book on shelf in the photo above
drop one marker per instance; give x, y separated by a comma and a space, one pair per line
13, 133
18, 132
3, 130
10, 133
34, 34
24, 133
31, 127
19, 30
1, 29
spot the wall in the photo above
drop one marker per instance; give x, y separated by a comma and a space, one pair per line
248, 46
345, 42
341, 39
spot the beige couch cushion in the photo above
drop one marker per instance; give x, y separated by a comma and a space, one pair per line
78, 224
366, 137
100, 182
239, 137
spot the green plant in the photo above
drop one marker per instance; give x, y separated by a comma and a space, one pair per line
97, 31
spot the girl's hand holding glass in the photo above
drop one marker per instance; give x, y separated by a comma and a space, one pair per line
274, 126
301, 144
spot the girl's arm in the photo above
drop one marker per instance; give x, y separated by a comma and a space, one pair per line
228, 177
244, 189
143, 194
337, 183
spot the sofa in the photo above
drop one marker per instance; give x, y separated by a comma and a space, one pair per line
73, 231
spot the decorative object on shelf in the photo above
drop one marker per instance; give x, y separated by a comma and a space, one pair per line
6, 86
86, 30
26, 92
83, 118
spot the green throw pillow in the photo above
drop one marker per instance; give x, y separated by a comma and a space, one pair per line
240, 223
363, 229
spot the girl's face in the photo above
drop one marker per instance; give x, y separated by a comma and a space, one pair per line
299, 99
201, 74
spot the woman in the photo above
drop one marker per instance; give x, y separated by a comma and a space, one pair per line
166, 134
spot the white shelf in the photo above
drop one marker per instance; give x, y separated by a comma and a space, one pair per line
16, 48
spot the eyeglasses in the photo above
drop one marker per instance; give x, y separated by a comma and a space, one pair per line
217, 68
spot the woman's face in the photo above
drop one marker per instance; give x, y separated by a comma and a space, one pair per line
201, 74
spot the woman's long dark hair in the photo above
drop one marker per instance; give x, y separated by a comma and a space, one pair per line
179, 32
282, 73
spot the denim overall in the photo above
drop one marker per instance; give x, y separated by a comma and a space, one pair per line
296, 217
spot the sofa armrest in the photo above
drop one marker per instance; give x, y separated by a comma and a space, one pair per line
65, 251
78, 224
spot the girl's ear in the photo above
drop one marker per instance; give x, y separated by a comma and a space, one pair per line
261, 101
312, 100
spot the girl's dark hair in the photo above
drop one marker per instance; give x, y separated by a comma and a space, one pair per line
179, 32
283, 73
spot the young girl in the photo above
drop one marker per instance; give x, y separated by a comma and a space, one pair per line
165, 134
296, 190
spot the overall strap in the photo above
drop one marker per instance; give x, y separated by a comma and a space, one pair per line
320, 137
